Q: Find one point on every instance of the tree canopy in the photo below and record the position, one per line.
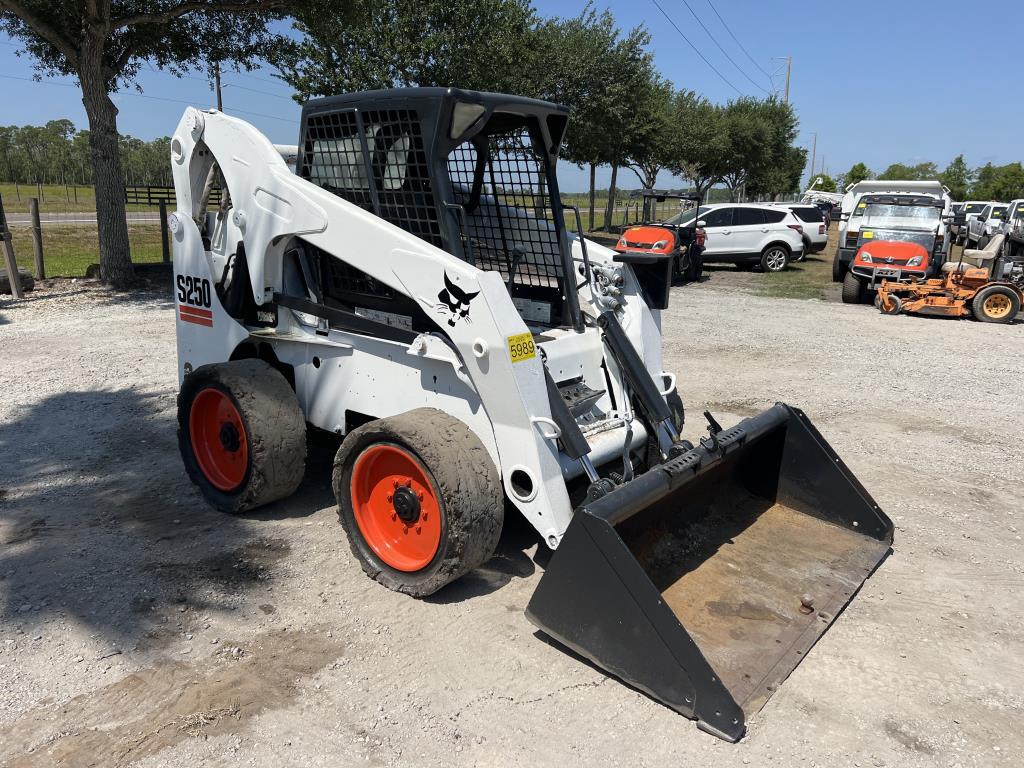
(104, 44)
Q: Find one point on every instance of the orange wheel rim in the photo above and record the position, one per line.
(997, 305)
(218, 439)
(395, 507)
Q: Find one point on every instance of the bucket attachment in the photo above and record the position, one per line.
(704, 581)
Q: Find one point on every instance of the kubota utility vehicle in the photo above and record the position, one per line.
(675, 237)
(413, 288)
(901, 238)
(983, 284)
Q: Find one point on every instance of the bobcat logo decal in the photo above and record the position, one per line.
(454, 301)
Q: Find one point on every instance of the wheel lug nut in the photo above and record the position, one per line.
(408, 482)
(419, 529)
(419, 495)
(424, 515)
(394, 517)
(396, 483)
(390, 498)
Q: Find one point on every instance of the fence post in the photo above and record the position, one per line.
(164, 245)
(13, 275)
(37, 238)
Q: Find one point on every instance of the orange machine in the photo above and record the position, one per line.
(964, 290)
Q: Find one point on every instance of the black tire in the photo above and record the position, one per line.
(775, 258)
(274, 431)
(695, 268)
(984, 302)
(893, 308)
(465, 484)
(853, 289)
(983, 241)
(838, 269)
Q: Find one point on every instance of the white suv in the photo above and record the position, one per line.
(750, 234)
(815, 234)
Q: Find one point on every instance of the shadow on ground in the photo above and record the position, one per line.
(100, 525)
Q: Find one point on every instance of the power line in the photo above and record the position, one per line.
(737, 41)
(147, 96)
(695, 49)
(713, 40)
(257, 90)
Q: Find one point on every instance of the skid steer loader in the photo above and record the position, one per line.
(414, 287)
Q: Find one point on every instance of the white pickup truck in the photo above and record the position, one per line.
(853, 211)
(984, 225)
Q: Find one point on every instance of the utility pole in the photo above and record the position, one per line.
(789, 68)
(814, 154)
(220, 101)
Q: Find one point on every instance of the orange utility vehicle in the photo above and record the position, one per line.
(982, 283)
(678, 238)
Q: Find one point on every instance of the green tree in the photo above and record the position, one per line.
(857, 173)
(354, 45)
(104, 43)
(921, 172)
(957, 177)
(999, 182)
(700, 142)
(651, 149)
(826, 183)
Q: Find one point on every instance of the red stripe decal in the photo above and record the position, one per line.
(188, 317)
(187, 310)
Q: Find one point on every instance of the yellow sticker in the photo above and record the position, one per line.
(863, 205)
(868, 234)
(521, 347)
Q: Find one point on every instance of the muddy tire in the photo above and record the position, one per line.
(995, 304)
(441, 520)
(241, 434)
(853, 289)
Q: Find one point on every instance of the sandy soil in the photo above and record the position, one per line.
(141, 628)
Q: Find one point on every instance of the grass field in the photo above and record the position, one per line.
(68, 251)
(55, 198)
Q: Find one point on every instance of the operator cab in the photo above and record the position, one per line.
(472, 173)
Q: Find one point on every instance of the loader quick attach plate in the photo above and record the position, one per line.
(706, 580)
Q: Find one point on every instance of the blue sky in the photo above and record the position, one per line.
(879, 82)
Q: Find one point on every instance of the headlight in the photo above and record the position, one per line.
(659, 245)
(914, 262)
(622, 243)
(865, 256)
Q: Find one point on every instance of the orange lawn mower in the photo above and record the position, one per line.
(981, 284)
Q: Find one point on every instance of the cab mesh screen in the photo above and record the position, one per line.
(376, 160)
(501, 183)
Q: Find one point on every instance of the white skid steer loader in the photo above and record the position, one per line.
(413, 287)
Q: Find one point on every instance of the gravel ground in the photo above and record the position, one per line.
(141, 628)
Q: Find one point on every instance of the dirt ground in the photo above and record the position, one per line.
(138, 627)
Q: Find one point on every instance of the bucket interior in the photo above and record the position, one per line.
(753, 580)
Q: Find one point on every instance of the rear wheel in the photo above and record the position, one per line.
(694, 267)
(995, 304)
(419, 498)
(983, 241)
(853, 289)
(774, 258)
(241, 434)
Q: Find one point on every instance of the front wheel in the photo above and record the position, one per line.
(995, 304)
(982, 242)
(241, 434)
(853, 289)
(774, 258)
(419, 499)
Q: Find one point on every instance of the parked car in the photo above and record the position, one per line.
(984, 225)
(968, 213)
(815, 223)
(748, 234)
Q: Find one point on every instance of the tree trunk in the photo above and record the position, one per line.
(593, 194)
(115, 254)
(610, 208)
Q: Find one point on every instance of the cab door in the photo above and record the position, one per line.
(718, 229)
(749, 229)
